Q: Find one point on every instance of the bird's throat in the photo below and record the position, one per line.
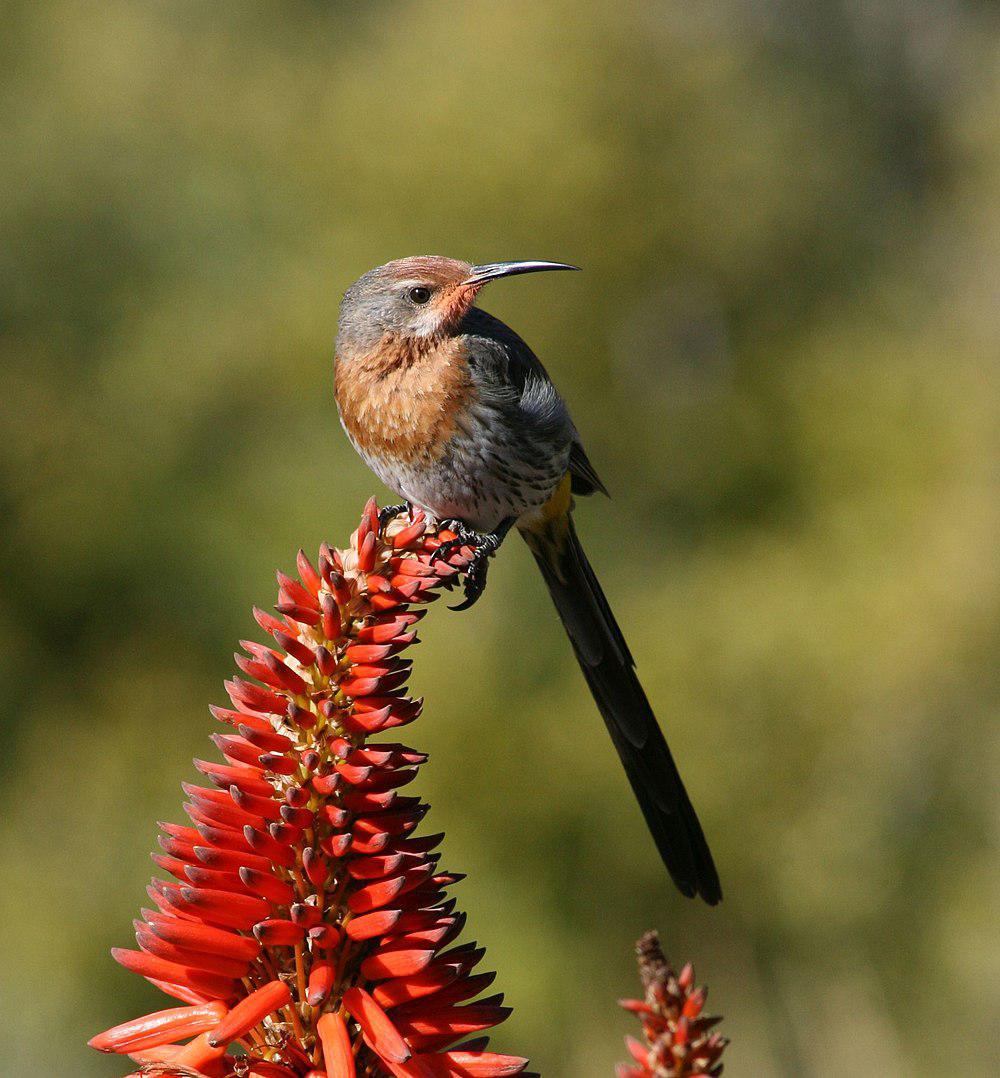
(405, 399)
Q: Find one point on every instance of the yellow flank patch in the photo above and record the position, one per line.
(546, 530)
(559, 503)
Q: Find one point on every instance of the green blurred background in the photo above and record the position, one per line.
(782, 357)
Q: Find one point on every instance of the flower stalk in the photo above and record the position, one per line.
(679, 1042)
(305, 927)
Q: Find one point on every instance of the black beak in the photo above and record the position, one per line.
(492, 270)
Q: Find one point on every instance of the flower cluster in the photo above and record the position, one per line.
(306, 931)
(679, 1043)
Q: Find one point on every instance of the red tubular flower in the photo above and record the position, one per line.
(679, 1043)
(306, 929)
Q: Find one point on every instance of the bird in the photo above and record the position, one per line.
(454, 413)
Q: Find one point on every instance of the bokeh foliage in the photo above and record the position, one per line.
(783, 359)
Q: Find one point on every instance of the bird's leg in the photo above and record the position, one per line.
(486, 544)
(387, 513)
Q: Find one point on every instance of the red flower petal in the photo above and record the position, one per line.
(224, 908)
(278, 932)
(147, 965)
(200, 937)
(248, 1012)
(481, 1064)
(376, 1026)
(197, 1053)
(337, 1051)
(160, 1027)
(321, 981)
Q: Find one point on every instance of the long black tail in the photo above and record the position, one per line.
(609, 669)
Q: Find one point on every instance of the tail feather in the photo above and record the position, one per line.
(609, 669)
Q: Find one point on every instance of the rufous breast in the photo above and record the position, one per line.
(405, 400)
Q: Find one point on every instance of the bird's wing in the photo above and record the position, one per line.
(522, 372)
(514, 362)
(585, 477)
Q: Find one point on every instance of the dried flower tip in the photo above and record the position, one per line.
(677, 1041)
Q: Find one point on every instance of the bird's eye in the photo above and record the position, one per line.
(420, 294)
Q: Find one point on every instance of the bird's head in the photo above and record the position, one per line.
(423, 298)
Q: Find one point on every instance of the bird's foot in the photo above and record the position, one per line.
(464, 536)
(389, 512)
(475, 575)
(485, 545)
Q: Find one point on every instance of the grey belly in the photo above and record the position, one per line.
(482, 481)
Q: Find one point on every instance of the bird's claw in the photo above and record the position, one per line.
(388, 512)
(475, 575)
(464, 536)
(484, 547)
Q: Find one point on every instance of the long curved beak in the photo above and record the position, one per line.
(490, 271)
